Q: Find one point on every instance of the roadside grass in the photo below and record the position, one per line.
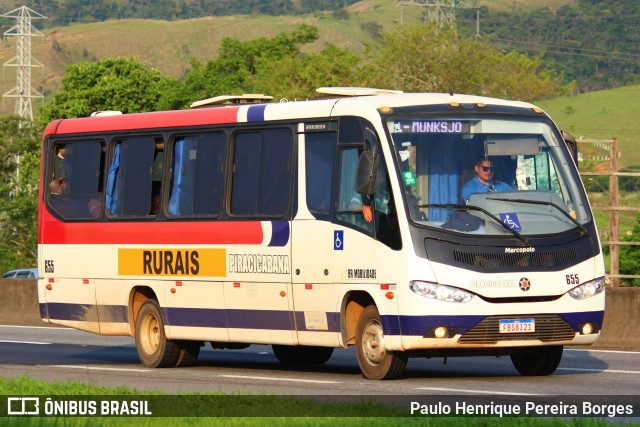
(627, 218)
(316, 412)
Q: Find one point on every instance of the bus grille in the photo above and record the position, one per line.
(549, 327)
(484, 260)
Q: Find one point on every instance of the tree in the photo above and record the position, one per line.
(19, 171)
(123, 84)
(231, 72)
(423, 58)
(297, 77)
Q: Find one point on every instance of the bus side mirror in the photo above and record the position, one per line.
(367, 172)
(572, 145)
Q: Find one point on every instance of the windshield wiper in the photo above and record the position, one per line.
(583, 230)
(484, 211)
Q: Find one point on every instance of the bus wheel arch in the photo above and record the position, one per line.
(353, 305)
(152, 345)
(138, 296)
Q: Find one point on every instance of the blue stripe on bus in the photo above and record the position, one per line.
(420, 325)
(256, 113)
(192, 317)
(84, 312)
(195, 317)
(43, 311)
(576, 320)
(79, 312)
(113, 313)
(280, 233)
(282, 320)
(260, 319)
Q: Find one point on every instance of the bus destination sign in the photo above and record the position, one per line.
(430, 126)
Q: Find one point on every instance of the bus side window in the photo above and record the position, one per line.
(320, 152)
(197, 180)
(130, 177)
(349, 201)
(262, 164)
(386, 216)
(75, 187)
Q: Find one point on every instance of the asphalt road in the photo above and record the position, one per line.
(57, 354)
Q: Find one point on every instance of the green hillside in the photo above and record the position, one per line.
(168, 45)
(602, 115)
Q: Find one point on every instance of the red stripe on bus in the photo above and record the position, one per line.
(160, 119)
(142, 233)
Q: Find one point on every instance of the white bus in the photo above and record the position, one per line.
(322, 224)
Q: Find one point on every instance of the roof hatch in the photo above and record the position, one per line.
(355, 91)
(219, 101)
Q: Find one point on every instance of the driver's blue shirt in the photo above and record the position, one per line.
(475, 186)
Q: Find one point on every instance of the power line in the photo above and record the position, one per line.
(597, 54)
(637, 56)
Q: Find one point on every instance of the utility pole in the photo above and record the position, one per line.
(614, 218)
(24, 30)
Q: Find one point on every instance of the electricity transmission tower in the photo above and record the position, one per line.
(442, 12)
(23, 61)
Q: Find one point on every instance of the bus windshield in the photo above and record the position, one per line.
(487, 175)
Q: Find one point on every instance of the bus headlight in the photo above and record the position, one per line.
(587, 290)
(440, 292)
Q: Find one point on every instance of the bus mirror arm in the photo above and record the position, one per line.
(572, 145)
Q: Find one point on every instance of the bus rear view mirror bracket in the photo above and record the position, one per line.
(572, 145)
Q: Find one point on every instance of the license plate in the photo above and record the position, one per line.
(516, 326)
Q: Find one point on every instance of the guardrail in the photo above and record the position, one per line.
(19, 306)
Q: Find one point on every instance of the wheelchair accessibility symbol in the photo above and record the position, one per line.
(511, 220)
(338, 240)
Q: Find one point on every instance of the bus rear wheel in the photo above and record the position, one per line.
(154, 349)
(537, 361)
(375, 361)
(302, 355)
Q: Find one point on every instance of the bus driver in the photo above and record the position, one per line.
(483, 181)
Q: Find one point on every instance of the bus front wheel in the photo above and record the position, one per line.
(537, 361)
(154, 349)
(375, 361)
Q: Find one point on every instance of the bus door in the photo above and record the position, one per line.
(355, 261)
(366, 224)
(258, 295)
(315, 301)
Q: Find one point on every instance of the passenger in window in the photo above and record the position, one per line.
(95, 207)
(56, 186)
(155, 198)
(483, 181)
(155, 205)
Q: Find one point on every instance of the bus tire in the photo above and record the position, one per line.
(154, 349)
(537, 361)
(302, 355)
(376, 363)
(189, 352)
